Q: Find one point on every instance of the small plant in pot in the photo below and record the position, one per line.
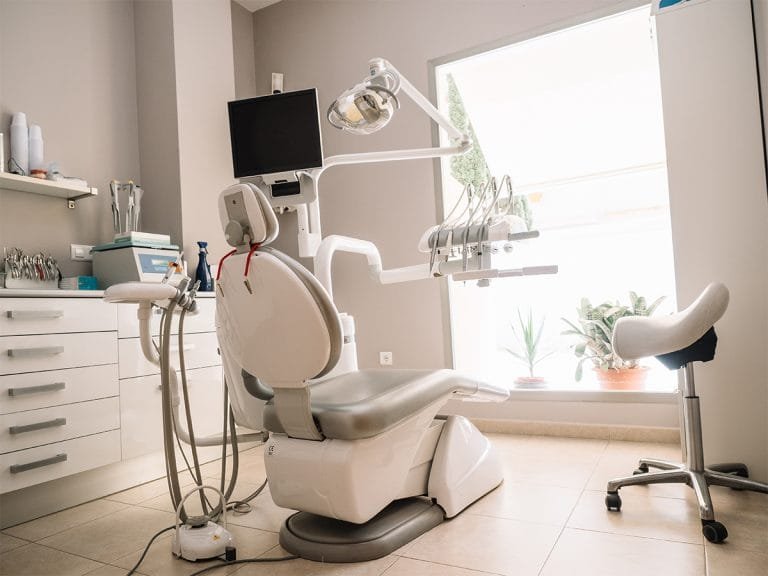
(528, 333)
(595, 329)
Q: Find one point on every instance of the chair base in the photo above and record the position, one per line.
(324, 539)
(731, 475)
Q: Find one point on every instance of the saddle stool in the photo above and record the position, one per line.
(678, 341)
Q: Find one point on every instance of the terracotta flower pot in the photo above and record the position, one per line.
(530, 382)
(623, 378)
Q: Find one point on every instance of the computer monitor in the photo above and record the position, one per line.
(275, 133)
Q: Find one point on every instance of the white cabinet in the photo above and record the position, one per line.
(140, 393)
(78, 396)
(59, 404)
(142, 422)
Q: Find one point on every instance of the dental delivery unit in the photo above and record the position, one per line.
(363, 455)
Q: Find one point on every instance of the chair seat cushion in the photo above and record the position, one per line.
(368, 402)
(636, 337)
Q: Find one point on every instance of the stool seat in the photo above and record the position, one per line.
(637, 337)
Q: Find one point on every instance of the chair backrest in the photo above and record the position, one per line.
(274, 319)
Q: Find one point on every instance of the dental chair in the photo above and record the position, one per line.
(678, 341)
(363, 455)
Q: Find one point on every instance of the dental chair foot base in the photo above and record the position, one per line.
(324, 539)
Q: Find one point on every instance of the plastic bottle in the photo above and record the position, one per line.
(35, 147)
(203, 273)
(19, 162)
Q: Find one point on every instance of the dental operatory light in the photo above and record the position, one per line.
(370, 105)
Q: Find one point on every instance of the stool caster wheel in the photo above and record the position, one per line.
(642, 469)
(713, 531)
(613, 501)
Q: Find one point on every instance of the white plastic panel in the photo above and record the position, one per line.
(20, 316)
(19, 354)
(81, 454)
(61, 423)
(52, 388)
(200, 350)
(276, 329)
(465, 467)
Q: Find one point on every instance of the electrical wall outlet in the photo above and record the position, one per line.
(385, 358)
(80, 252)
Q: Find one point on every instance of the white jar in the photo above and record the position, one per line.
(19, 145)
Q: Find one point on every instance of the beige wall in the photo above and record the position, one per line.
(70, 67)
(202, 35)
(157, 117)
(327, 44)
(242, 47)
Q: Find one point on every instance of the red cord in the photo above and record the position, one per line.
(254, 247)
(221, 263)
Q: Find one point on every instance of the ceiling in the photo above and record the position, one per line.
(254, 5)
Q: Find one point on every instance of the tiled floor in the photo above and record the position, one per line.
(548, 518)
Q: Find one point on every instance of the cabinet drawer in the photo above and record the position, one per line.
(35, 465)
(23, 316)
(19, 354)
(200, 350)
(35, 390)
(22, 430)
(202, 321)
(141, 422)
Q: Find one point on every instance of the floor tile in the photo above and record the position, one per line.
(300, 567)
(585, 553)
(641, 515)
(108, 570)
(528, 502)
(8, 543)
(487, 544)
(160, 561)
(36, 560)
(264, 514)
(141, 493)
(621, 459)
(745, 516)
(411, 567)
(111, 537)
(54, 523)
(728, 559)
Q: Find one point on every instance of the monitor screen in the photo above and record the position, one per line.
(275, 133)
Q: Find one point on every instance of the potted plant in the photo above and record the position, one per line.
(528, 335)
(595, 329)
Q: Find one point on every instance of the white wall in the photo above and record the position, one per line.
(314, 44)
(70, 67)
(719, 212)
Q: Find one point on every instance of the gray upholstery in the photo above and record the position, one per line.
(366, 403)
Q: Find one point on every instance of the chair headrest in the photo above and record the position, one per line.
(246, 216)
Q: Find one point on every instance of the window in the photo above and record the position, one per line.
(574, 118)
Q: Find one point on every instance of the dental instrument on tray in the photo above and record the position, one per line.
(114, 193)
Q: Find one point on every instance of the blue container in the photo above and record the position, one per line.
(203, 273)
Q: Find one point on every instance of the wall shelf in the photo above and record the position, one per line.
(55, 188)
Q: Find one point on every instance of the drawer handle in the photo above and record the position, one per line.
(35, 352)
(33, 314)
(37, 389)
(16, 468)
(37, 426)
